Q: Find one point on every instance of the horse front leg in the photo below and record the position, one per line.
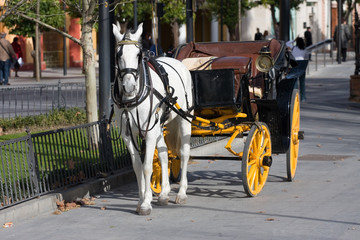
(164, 159)
(137, 166)
(145, 208)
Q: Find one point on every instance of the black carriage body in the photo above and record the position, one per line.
(215, 88)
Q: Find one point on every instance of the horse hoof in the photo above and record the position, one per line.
(180, 199)
(144, 212)
(163, 201)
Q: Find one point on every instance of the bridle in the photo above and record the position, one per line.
(142, 73)
(119, 50)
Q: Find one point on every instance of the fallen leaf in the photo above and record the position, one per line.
(8, 225)
(340, 138)
(70, 205)
(103, 208)
(319, 145)
(270, 219)
(57, 212)
(60, 203)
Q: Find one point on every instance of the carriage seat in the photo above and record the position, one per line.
(198, 63)
(240, 64)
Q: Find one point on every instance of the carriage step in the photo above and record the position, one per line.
(216, 158)
(301, 135)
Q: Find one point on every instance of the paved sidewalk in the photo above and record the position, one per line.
(48, 76)
(322, 202)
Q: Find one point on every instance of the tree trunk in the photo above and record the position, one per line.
(175, 32)
(273, 17)
(90, 74)
(89, 60)
(232, 33)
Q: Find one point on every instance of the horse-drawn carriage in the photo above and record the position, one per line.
(236, 89)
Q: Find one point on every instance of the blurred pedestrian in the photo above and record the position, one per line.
(17, 48)
(6, 54)
(308, 39)
(147, 42)
(344, 38)
(258, 34)
(266, 35)
(301, 55)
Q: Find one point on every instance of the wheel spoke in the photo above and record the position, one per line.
(266, 141)
(252, 161)
(252, 171)
(252, 177)
(256, 181)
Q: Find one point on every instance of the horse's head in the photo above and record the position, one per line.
(128, 52)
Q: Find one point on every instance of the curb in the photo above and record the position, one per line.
(46, 204)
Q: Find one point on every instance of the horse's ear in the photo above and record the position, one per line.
(137, 35)
(117, 34)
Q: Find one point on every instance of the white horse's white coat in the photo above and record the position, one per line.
(178, 139)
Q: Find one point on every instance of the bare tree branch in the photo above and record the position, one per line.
(11, 10)
(50, 27)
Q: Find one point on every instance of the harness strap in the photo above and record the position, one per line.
(159, 69)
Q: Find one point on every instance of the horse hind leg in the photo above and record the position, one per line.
(181, 133)
(181, 197)
(165, 185)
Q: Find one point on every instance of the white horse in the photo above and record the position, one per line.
(140, 108)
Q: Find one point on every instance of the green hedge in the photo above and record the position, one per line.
(73, 116)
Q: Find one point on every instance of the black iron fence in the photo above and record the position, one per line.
(40, 99)
(39, 163)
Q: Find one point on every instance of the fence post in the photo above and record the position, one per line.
(33, 165)
(59, 94)
(106, 150)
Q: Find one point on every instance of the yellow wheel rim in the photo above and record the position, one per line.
(175, 167)
(156, 175)
(293, 152)
(257, 149)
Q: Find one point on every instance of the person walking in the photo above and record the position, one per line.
(308, 39)
(344, 38)
(266, 36)
(6, 53)
(301, 55)
(258, 34)
(17, 48)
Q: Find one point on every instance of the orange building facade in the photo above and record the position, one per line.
(52, 47)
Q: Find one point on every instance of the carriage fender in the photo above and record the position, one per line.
(284, 93)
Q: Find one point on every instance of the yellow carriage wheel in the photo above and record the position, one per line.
(256, 159)
(175, 169)
(293, 152)
(156, 178)
(156, 175)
